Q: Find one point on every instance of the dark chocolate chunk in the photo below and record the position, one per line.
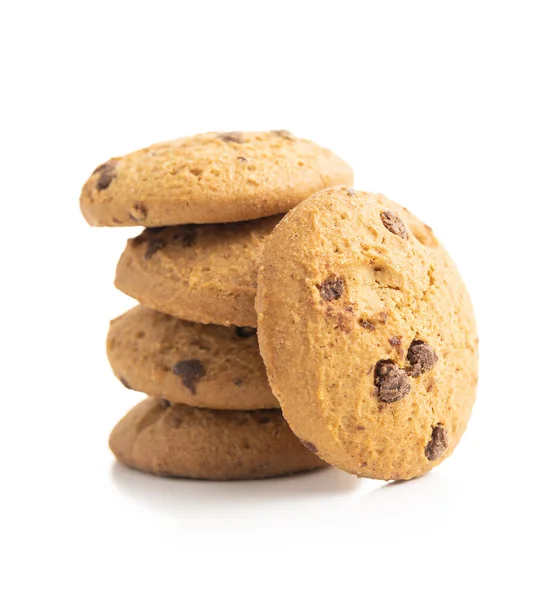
(125, 383)
(392, 382)
(245, 332)
(185, 235)
(138, 212)
(232, 136)
(190, 371)
(261, 416)
(393, 223)
(422, 358)
(164, 403)
(438, 444)
(332, 288)
(153, 246)
(107, 174)
(283, 133)
(311, 447)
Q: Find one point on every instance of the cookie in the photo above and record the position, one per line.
(182, 441)
(203, 273)
(210, 366)
(210, 178)
(368, 335)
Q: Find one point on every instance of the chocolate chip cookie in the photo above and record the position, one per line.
(203, 273)
(368, 335)
(210, 366)
(210, 178)
(177, 440)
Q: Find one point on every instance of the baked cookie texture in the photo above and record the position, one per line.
(210, 178)
(368, 335)
(177, 440)
(203, 273)
(202, 365)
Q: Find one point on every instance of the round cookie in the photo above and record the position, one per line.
(203, 273)
(210, 178)
(183, 441)
(202, 365)
(368, 335)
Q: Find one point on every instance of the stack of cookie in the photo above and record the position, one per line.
(208, 204)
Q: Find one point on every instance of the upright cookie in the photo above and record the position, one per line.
(182, 441)
(210, 178)
(368, 335)
(202, 365)
(203, 273)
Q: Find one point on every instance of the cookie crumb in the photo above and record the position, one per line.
(393, 223)
(351, 192)
(332, 288)
(391, 381)
(190, 371)
(438, 444)
(422, 358)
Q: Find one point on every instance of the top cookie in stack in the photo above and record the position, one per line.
(208, 204)
(210, 178)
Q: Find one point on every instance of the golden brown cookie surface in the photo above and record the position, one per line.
(368, 335)
(202, 273)
(183, 441)
(209, 366)
(210, 178)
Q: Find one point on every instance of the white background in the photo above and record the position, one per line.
(437, 105)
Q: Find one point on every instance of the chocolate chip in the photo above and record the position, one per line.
(138, 212)
(125, 383)
(396, 343)
(153, 246)
(185, 235)
(351, 192)
(438, 444)
(261, 416)
(245, 332)
(238, 382)
(232, 136)
(332, 288)
(367, 325)
(107, 174)
(392, 382)
(164, 403)
(422, 358)
(242, 159)
(393, 223)
(311, 447)
(283, 133)
(190, 371)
